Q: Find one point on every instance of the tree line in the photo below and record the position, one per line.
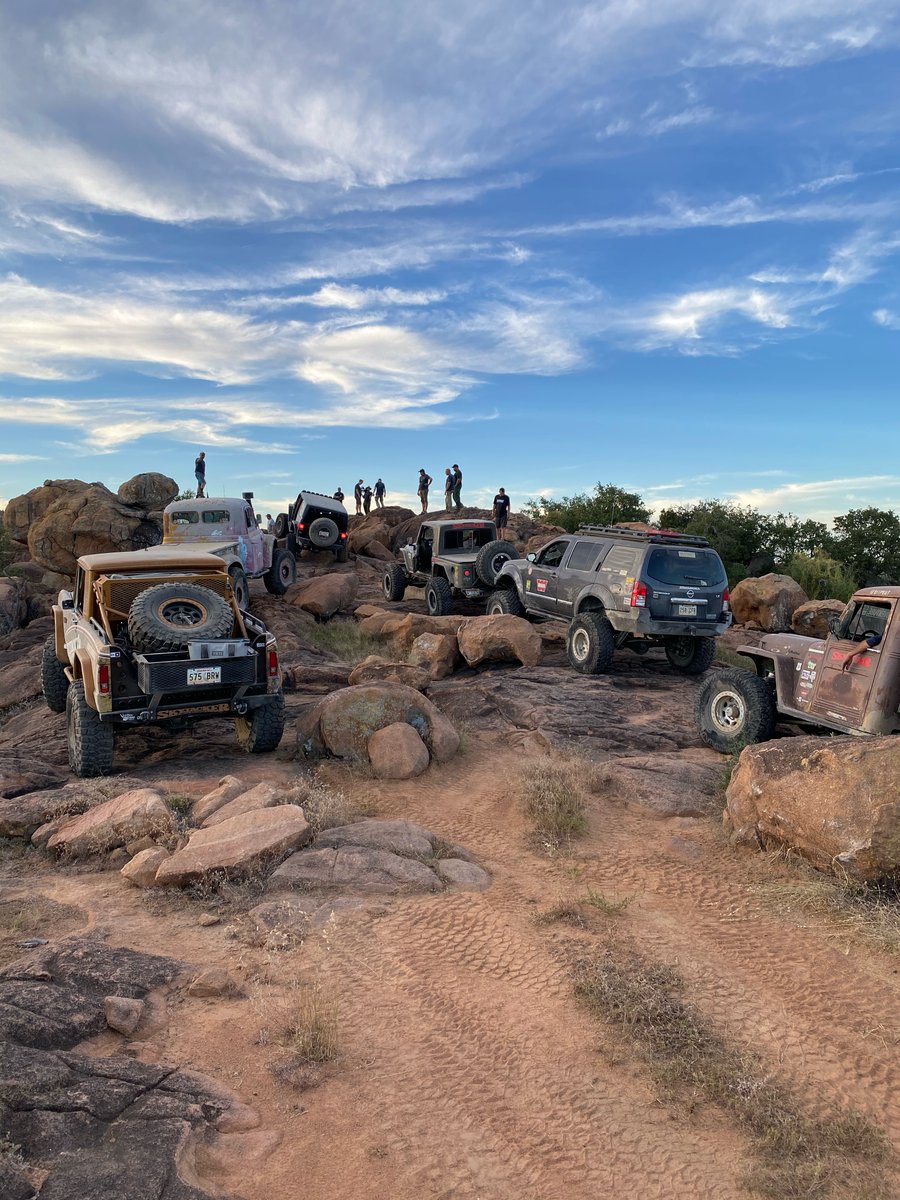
(861, 548)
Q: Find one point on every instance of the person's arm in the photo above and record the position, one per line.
(862, 648)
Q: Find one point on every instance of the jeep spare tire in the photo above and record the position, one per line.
(323, 532)
(282, 525)
(491, 558)
(170, 615)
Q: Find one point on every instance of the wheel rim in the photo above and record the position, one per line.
(286, 573)
(581, 645)
(498, 560)
(388, 585)
(431, 601)
(681, 650)
(728, 712)
(495, 608)
(183, 612)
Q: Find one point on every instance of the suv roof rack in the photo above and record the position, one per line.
(662, 536)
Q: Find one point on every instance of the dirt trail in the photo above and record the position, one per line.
(467, 1069)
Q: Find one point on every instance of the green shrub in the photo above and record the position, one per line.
(820, 576)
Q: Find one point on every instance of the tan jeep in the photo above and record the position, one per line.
(156, 637)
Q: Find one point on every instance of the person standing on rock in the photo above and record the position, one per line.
(457, 486)
(339, 495)
(200, 474)
(270, 523)
(501, 509)
(367, 500)
(380, 492)
(357, 496)
(448, 488)
(425, 482)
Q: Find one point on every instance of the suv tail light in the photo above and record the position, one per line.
(343, 537)
(639, 595)
(302, 525)
(273, 662)
(726, 601)
(103, 679)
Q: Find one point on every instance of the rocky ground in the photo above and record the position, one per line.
(380, 1001)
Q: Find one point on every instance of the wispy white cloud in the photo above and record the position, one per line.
(20, 458)
(818, 499)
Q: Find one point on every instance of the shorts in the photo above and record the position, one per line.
(501, 520)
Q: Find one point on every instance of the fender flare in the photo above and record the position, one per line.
(83, 668)
(504, 576)
(594, 591)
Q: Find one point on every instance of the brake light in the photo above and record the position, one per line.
(302, 525)
(639, 595)
(726, 601)
(467, 572)
(343, 537)
(273, 662)
(103, 679)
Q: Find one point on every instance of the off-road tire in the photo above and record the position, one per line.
(438, 597)
(282, 526)
(169, 616)
(342, 555)
(505, 600)
(735, 709)
(323, 533)
(590, 642)
(490, 559)
(393, 582)
(91, 743)
(690, 655)
(261, 730)
(281, 574)
(54, 683)
(240, 585)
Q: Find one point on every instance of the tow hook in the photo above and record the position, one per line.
(240, 708)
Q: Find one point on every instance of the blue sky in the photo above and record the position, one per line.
(638, 241)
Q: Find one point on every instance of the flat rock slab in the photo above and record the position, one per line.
(459, 873)
(132, 815)
(354, 869)
(399, 837)
(301, 914)
(236, 846)
(98, 1127)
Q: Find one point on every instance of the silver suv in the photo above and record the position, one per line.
(622, 588)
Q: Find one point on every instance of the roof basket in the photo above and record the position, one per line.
(665, 537)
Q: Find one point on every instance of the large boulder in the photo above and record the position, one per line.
(397, 752)
(126, 818)
(501, 638)
(437, 653)
(769, 602)
(237, 846)
(150, 491)
(811, 619)
(13, 604)
(837, 803)
(22, 511)
(343, 722)
(324, 595)
(375, 669)
(91, 521)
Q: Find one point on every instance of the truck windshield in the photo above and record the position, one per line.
(866, 616)
(686, 568)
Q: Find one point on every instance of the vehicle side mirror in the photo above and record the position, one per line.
(67, 603)
(834, 624)
(532, 557)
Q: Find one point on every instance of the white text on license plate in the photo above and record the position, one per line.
(685, 610)
(204, 675)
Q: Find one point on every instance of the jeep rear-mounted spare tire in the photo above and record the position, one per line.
(323, 533)
(490, 559)
(170, 615)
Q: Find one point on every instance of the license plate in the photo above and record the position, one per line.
(204, 675)
(685, 610)
(473, 593)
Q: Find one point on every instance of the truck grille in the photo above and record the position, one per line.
(172, 676)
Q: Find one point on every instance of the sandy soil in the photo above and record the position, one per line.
(467, 1070)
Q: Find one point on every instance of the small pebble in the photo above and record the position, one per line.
(208, 919)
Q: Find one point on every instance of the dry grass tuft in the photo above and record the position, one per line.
(576, 912)
(837, 1155)
(324, 806)
(311, 1033)
(554, 801)
(343, 638)
(34, 916)
(867, 913)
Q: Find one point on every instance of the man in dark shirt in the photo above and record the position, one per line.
(357, 496)
(425, 482)
(501, 509)
(379, 492)
(457, 486)
(448, 488)
(339, 495)
(367, 500)
(200, 474)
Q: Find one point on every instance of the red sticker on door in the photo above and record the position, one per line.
(542, 585)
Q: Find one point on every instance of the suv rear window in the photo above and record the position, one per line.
(688, 568)
(467, 539)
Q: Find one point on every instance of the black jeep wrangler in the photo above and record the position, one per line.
(314, 522)
(623, 588)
